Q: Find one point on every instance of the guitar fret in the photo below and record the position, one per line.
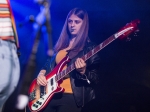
(109, 40)
(65, 73)
(90, 53)
(58, 76)
(96, 49)
(62, 73)
(85, 57)
(101, 46)
(93, 51)
(67, 70)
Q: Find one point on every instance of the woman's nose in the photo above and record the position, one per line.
(72, 24)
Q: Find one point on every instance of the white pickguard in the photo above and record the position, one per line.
(50, 88)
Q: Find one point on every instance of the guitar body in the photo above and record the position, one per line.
(39, 96)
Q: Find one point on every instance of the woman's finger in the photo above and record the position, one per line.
(42, 80)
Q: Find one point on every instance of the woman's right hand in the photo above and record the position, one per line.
(41, 79)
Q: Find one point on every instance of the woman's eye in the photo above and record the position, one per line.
(77, 22)
(69, 21)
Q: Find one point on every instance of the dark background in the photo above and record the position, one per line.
(125, 66)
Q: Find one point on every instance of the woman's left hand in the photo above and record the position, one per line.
(80, 65)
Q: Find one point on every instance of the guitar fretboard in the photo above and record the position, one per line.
(71, 67)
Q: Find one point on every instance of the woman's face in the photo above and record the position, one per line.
(74, 24)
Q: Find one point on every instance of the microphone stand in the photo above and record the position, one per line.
(30, 68)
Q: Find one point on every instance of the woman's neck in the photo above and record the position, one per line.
(70, 43)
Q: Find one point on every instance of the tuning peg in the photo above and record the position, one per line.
(137, 30)
(128, 39)
(135, 34)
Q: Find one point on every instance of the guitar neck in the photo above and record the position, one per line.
(98, 48)
(70, 68)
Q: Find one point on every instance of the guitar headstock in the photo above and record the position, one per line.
(127, 30)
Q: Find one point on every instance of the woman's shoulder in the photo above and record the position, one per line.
(90, 44)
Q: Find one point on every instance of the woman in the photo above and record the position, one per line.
(78, 85)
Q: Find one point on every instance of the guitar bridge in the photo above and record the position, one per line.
(32, 96)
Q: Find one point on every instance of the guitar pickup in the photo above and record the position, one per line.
(52, 81)
(38, 102)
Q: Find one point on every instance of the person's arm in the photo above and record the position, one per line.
(41, 79)
(88, 71)
(80, 66)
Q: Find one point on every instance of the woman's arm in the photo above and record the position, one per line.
(90, 72)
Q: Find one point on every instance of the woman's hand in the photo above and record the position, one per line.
(80, 65)
(41, 79)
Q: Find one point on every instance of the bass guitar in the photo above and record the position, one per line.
(40, 96)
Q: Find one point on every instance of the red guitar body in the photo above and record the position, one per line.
(40, 96)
